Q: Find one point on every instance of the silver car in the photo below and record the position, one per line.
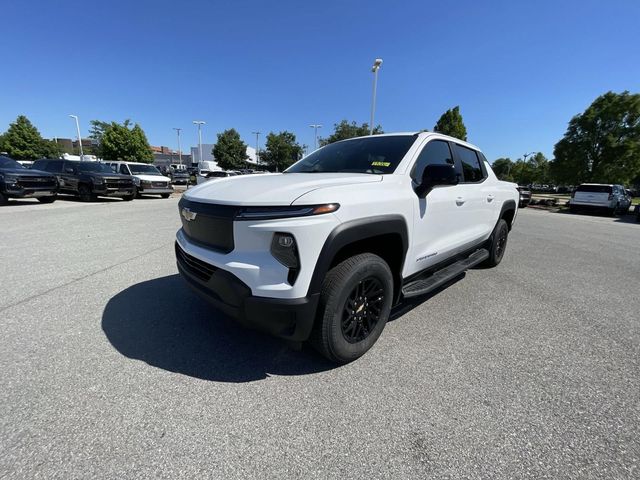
(600, 196)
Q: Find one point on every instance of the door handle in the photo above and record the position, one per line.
(490, 198)
(460, 201)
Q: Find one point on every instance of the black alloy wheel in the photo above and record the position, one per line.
(362, 310)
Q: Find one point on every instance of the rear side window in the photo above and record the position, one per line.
(471, 168)
(436, 152)
(594, 188)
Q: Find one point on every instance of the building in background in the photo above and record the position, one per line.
(207, 154)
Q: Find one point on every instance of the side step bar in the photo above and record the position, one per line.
(422, 286)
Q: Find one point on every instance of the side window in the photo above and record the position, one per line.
(471, 168)
(54, 167)
(123, 169)
(435, 152)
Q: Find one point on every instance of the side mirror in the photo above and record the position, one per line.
(436, 176)
(70, 170)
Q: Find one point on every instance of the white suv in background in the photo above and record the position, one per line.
(600, 196)
(147, 178)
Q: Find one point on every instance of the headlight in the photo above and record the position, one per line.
(269, 213)
(285, 250)
(8, 178)
(97, 180)
(145, 183)
(136, 181)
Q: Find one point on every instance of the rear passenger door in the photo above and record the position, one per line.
(475, 200)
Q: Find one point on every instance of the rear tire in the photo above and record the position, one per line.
(497, 244)
(354, 307)
(85, 194)
(50, 199)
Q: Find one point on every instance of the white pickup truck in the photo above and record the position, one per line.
(325, 249)
(147, 178)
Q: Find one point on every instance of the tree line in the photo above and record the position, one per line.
(602, 144)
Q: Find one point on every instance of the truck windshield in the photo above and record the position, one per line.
(143, 169)
(6, 162)
(93, 167)
(374, 155)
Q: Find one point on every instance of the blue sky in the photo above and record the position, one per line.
(518, 70)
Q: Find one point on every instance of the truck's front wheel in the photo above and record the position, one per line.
(354, 307)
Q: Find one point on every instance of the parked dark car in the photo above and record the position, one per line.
(638, 212)
(17, 181)
(180, 177)
(88, 180)
(525, 197)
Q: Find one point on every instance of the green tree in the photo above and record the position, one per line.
(344, 130)
(96, 132)
(281, 150)
(539, 166)
(23, 142)
(450, 123)
(120, 142)
(502, 168)
(602, 144)
(230, 151)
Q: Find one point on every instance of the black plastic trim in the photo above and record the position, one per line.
(354, 231)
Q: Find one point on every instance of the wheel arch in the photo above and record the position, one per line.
(508, 212)
(384, 235)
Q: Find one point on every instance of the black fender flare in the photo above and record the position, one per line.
(353, 231)
(506, 206)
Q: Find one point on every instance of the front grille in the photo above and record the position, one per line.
(208, 224)
(194, 266)
(37, 182)
(119, 183)
(159, 184)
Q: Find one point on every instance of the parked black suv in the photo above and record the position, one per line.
(17, 181)
(88, 180)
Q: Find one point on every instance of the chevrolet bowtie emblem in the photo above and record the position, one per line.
(188, 214)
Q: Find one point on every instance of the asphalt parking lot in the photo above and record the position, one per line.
(112, 368)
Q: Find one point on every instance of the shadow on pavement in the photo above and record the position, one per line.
(164, 324)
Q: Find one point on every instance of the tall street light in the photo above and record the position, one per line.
(79, 139)
(376, 66)
(178, 130)
(199, 123)
(257, 134)
(315, 127)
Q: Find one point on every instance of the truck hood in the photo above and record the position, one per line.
(271, 189)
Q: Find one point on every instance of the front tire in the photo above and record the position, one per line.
(355, 303)
(497, 244)
(50, 199)
(84, 191)
(165, 195)
(3, 199)
(128, 198)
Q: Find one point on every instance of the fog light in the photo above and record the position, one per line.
(285, 250)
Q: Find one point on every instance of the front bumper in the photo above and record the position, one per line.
(112, 192)
(154, 191)
(291, 319)
(16, 191)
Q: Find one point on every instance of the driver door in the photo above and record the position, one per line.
(439, 221)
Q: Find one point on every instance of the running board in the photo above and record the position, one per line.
(422, 286)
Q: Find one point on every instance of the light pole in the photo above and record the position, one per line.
(257, 134)
(79, 139)
(178, 130)
(528, 155)
(315, 127)
(199, 123)
(376, 66)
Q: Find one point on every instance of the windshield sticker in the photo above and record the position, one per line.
(380, 164)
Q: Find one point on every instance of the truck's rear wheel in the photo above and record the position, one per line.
(497, 244)
(355, 302)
